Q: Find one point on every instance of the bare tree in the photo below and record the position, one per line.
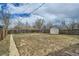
(19, 25)
(5, 19)
(64, 25)
(49, 25)
(77, 24)
(39, 23)
(27, 25)
(72, 23)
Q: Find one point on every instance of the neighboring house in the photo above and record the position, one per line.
(54, 30)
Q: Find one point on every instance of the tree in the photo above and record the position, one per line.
(49, 25)
(5, 18)
(19, 25)
(72, 23)
(27, 25)
(64, 25)
(39, 24)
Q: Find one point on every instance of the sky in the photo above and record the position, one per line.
(48, 11)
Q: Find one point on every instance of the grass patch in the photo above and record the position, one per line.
(4, 46)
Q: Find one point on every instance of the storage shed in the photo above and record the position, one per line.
(54, 30)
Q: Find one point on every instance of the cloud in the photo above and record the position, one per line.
(52, 11)
(24, 8)
(70, 10)
(49, 11)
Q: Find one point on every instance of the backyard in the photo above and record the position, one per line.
(34, 44)
(39, 29)
(40, 44)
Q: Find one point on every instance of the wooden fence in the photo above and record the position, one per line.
(70, 32)
(3, 33)
(26, 31)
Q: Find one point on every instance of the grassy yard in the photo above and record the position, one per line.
(4, 46)
(43, 44)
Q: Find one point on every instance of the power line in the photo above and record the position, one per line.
(5, 6)
(37, 8)
(33, 10)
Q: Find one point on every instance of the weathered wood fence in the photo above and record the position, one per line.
(70, 32)
(3, 33)
(27, 31)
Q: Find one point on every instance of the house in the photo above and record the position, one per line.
(54, 30)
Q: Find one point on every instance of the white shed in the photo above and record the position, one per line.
(54, 30)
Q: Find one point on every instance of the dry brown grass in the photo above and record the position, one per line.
(4, 46)
(42, 44)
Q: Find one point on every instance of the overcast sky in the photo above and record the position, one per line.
(47, 11)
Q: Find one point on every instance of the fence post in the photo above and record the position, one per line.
(2, 34)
